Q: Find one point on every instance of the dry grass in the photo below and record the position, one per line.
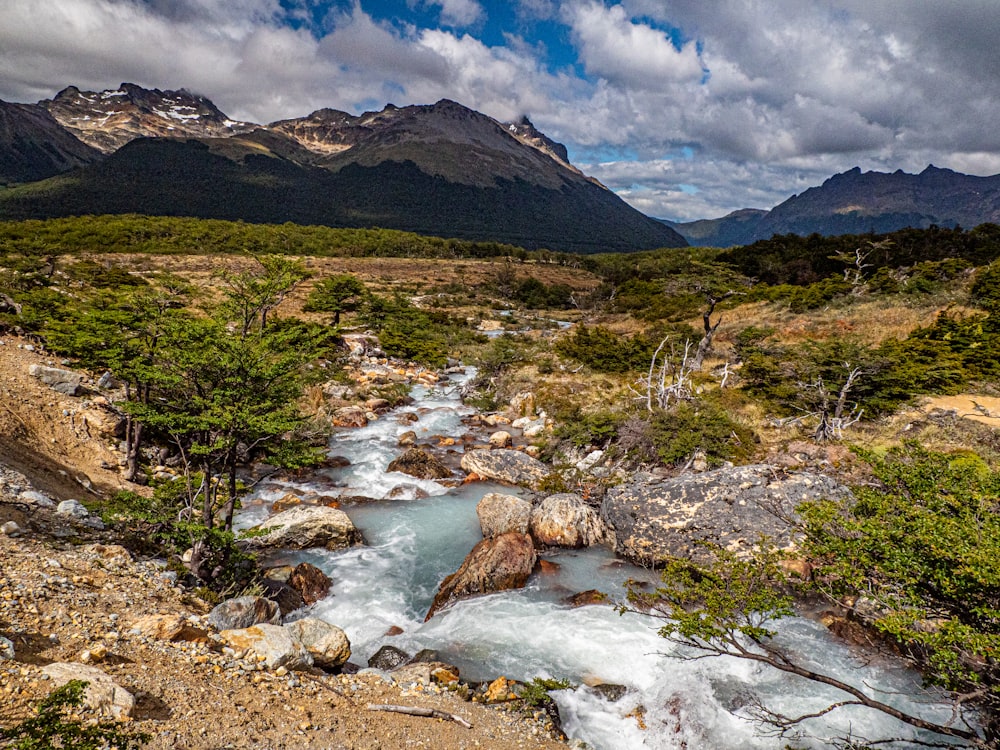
(868, 321)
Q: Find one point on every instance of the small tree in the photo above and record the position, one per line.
(337, 294)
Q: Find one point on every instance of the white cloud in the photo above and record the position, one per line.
(768, 96)
(459, 13)
(620, 50)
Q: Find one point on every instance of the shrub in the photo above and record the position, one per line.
(52, 728)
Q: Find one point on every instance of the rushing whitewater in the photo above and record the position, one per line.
(414, 541)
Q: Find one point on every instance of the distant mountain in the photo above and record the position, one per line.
(107, 120)
(440, 169)
(736, 228)
(857, 202)
(34, 146)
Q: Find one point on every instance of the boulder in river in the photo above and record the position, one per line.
(311, 582)
(500, 514)
(656, 520)
(507, 466)
(388, 658)
(495, 564)
(420, 464)
(349, 416)
(306, 526)
(565, 520)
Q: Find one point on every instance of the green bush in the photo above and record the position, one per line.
(51, 728)
(690, 426)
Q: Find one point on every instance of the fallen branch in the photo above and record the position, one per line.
(432, 713)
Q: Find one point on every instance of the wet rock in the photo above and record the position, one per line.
(548, 568)
(654, 520)
(394, 630)
(327, 644)
(286, 597)
(307, 526)
(587, 598)
(388, 658)
(349, 416)
(243, 612)
(501, 439)
(377, 405)
(102, 693)
(272, 645)
(565, 520)
(311, 582)
(168, 627)
(495, 564)
(66, 382)
(286, 501)
(507, 466)
(421, 464)
(408, 417)
(407, 439)
(500, 514)
(609, 691)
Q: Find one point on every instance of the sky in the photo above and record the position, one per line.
(687, 109)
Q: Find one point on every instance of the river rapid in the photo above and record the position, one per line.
(421, 535)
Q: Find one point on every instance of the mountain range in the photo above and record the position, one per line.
(857, 202)
(440, 169)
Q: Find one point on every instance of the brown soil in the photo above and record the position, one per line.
(60, 594)
(57, 599)
(41, 437)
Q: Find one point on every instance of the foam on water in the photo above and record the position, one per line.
(412, 544)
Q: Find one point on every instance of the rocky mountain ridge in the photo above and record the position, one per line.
(856, 202)
(440, 169)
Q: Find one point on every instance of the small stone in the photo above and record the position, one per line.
(6, 649)
(10, 528)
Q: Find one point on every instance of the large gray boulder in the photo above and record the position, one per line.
(327, 644)
(495, 564)
(565, 520)
(507, 466)
(656, 520)
(273, 645)
(306, 526)
(500, 514)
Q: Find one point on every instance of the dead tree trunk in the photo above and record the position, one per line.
(706, 340)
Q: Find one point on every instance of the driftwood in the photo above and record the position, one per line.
(432, 713)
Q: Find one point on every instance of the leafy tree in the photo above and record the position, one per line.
(337, 294)
(921, 550)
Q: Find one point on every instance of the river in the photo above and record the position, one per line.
(424, 533)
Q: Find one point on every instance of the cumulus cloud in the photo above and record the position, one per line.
(632, 54)
(762, 97)
(459, 13)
